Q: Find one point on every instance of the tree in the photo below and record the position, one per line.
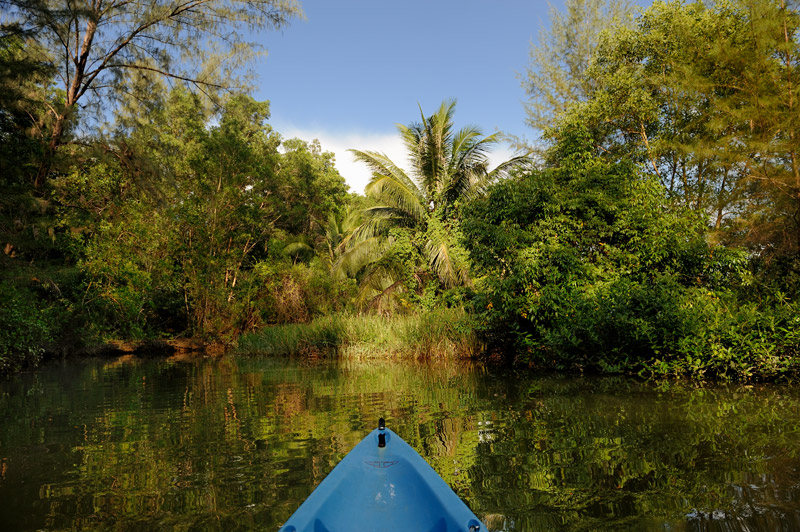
(583, 264)
(206, 247)
(706, 99)
(556, 75)
(448, 167)
(310, 185)
(24, 71)
(332, 238)
(105, 50)
(190, 247)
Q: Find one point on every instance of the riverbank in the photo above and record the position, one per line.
(182, 348)
(443, 334)
(763, 349)
(740, 351)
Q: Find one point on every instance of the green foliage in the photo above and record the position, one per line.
(735, 340)
(705, 98)
(24, 78)
(317, 189)
(25, 328)
(172, 229)
(585, 265)
(448, 167)
(188, 251)
(296, 293)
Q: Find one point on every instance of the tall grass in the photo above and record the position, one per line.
(444, 333)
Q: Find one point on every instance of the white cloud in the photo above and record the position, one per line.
(356, 174)
(500, 153)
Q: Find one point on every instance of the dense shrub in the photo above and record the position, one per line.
(585, 265)
(285, 292)
(25, 330)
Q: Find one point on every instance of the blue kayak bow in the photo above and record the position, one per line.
(383, 485)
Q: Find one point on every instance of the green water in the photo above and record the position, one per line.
(237, 444)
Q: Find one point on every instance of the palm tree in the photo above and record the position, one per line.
(332, 241)
(447, 167)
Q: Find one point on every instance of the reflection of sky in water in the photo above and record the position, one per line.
(237, 444)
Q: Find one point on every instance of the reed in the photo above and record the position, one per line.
(443, 333)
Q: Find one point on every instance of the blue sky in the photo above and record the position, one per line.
(355, 68)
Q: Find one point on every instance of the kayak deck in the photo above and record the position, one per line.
(383, 485)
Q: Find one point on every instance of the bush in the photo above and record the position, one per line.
(585, 265)
(25, 330)
(296, 293)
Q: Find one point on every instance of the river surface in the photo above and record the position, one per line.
(238, 443)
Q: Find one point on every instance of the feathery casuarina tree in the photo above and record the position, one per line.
(109, 49)
(706, 97)
(556, 75)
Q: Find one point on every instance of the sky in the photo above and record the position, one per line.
(355, 68)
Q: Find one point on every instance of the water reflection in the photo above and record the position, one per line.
(237, 444)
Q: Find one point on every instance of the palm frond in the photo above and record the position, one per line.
(397, 196)
(443, 264)
(381, 278)
(371, 226)
(468, 174)
(468, 183)
(413, 136)
(435, 147)
(392, 215)
(298, 250)
(469, 149)
(518, 162)
(446, 166)
(359, 255)
(467, 145)
(382, 166)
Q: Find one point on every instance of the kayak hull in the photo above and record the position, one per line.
(383, 488)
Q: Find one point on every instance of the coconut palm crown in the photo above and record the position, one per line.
(446, 167)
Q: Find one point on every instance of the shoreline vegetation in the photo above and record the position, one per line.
(652, 230)
(745, 348)
(444, 334)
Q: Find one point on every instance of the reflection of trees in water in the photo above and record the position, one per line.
(614, 454)
(239, 443)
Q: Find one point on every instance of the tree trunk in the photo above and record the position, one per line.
(720, 196)
(49, 155)
(75, 90)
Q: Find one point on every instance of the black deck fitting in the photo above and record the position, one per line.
(381, 435)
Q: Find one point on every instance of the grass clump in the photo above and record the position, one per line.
(443, 333)
(322, 335)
